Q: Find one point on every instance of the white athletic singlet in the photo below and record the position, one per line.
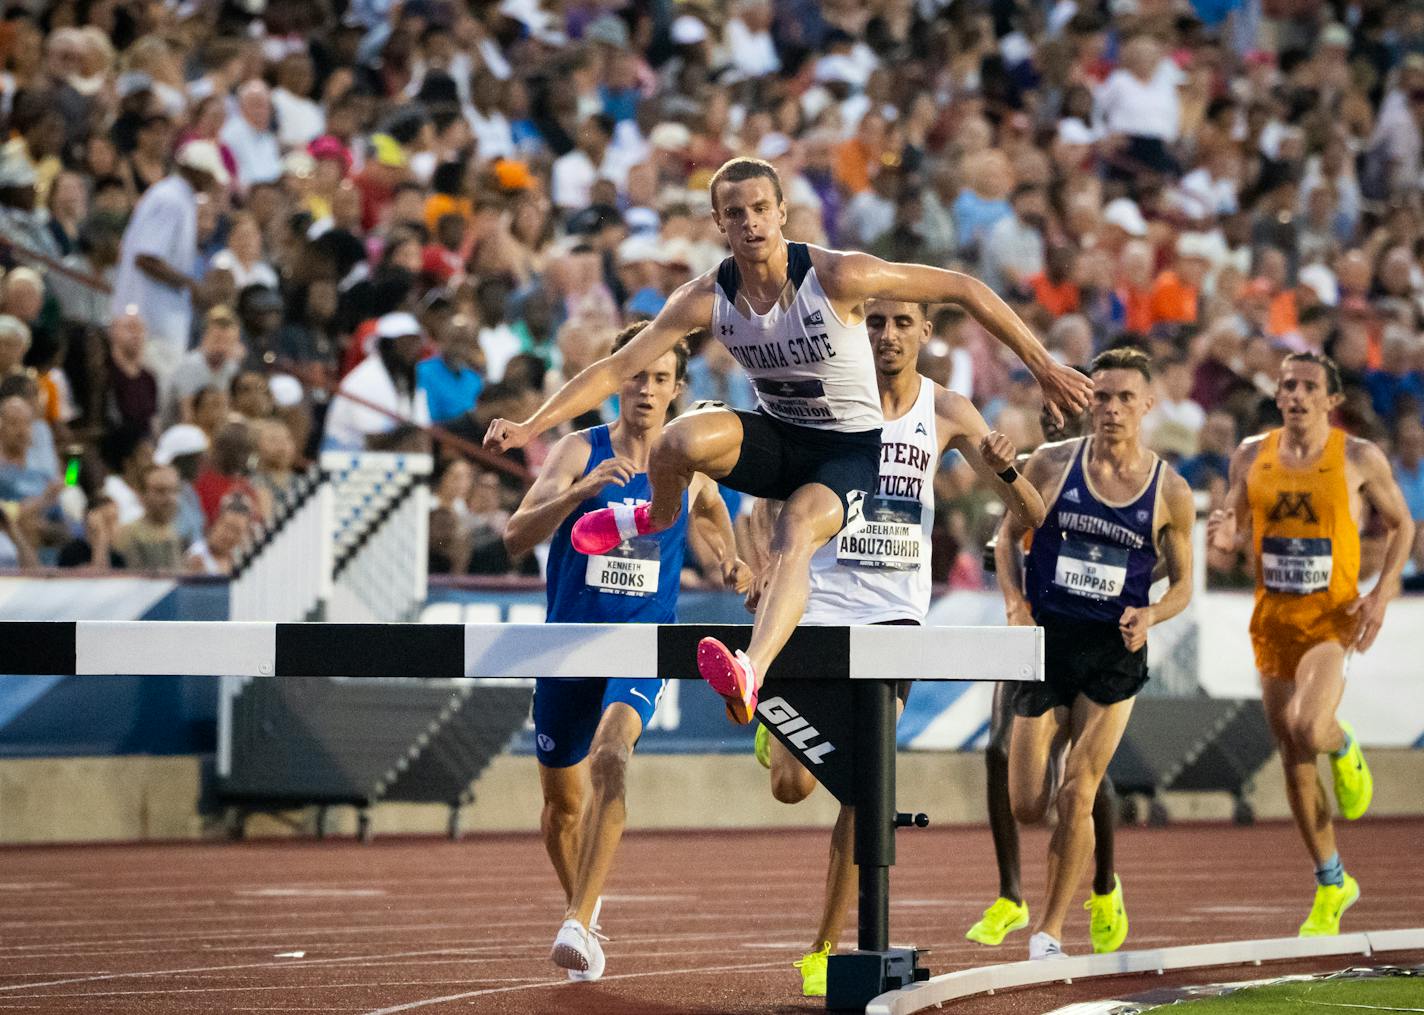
(881, 570)
(807, 367)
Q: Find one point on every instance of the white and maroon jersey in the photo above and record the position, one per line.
(880, 570)
(808, 368)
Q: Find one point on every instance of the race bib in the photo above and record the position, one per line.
(888, 537)
(1091, 569)
(625, 574)
(1296, 566)
(801, 401)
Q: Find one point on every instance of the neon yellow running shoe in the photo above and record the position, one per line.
(1331, 901)
(762, 746)
(1109, 921)
(998, 921)
(813, 971)
(1354, 786)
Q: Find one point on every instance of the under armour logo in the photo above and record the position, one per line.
(546, 742)
(1095, 553)
(1141, 517)
(727, 329)
(788, 389)
(920, 429)
(813, 318)
(1292, 505)
(1071, 494)
(1296, 546)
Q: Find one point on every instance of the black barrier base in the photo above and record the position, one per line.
(845, 735)
(853, 980)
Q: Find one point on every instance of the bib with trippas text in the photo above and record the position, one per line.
(1091, 569)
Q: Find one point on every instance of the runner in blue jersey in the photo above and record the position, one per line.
(585, 730)
(1114, 507)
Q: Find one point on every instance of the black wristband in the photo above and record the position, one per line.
(1009, 475)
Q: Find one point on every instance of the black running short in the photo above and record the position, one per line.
(1084, 657)
(779, 458)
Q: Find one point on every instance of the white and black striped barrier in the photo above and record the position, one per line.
(829, 698)
(261, 649)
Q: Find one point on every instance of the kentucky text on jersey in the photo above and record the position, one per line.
(1094, 526)
(898, 484)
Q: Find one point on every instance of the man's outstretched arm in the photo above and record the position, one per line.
(860, 277)
(687, 309)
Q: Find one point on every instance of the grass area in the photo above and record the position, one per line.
(1392, 993)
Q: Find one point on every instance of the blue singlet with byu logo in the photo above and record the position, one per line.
(635, 583)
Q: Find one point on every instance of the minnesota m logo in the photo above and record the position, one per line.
(1292, 505)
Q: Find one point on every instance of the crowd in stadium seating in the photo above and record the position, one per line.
(218, 215)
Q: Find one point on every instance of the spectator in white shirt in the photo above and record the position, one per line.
(498, 341)
(250, 138)
(159, 251)
(1173, 427)
(213, 364)
(1013, 248)
(216, 553)
(385, 383)
(300, 121)
(748, 39)
(1139, 105)
(493, 136)
(575, 173)
(242, 257)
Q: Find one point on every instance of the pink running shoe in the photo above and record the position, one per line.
(731, 676)
(600, 531)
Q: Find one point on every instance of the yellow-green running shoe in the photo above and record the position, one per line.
(1109, 921)
(1331, 901)
(999, 920)
(813, 971)
(1354, 786)
(762, 745)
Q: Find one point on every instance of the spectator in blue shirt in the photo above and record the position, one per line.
(1409, 465)
(1208, 468)
(450, 379)
(1409, 473)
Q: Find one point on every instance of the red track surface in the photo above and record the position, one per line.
(700, 922)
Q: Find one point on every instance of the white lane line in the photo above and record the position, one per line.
(346, 960)
(222, 969)
(30, 886)
(294, 937)
(427, 1002)
(280, 987)
(310, 893)
(623, 899)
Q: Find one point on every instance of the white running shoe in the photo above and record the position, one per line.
(576, 948)
(589, 975)
(1044, 946)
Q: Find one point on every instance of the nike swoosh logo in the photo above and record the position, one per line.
(634, 690)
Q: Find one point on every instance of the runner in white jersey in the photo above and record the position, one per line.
(880, 573)
(794, 316)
